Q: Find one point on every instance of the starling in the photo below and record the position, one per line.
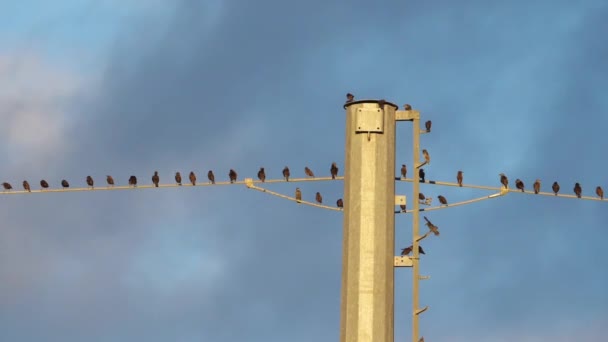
(192, 178)
(65, 184)
(427, 157)
(232, 174)
(262, 175)
(442, 200)
(433, 228)
(421, 196)
(421, 339)
(211, 177)
(578, 190)
(537, 186)
(7, 186)
(44, 184)
(90, 181)
(382, 103)
(133, 181)
(26, 186)
(155, 179)
(519, 184)
(319, 198)
(333, 170)
(555, 188)
(459, 178)
(427, 125)
(504, 180)
(350, 98)
(408, 250)
(402, 206)
(407, 107)
(308, 172)
(110, 180)
(178, 178)
(421, 175)
(286, 173)
(599, 192)
(403, 171)
(340, 203)
(298, 195)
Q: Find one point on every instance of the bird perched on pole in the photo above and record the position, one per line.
(459, 178)
(599, 192)
(421, 175)
(403, 171)
(433, 228)
(211, 177)
(407, 106)
(350, 98)
(403, 208)
(298, 195)
(408, 250)
(26, 186)
(7, 186)
(381, 103)
(155, 179)
(133, 181)
(192, 178)
(44, 184)
(333, 170)
(109, 180)
(555, 188)
(178, 178)
(578, 190)
(319, 198)
(340, 203)
(90, 181)
(427, 125)
(421, 197)
(519, 184)
(286, 173)
(308, 172)
(504, 180)
(262, 175)
(65, 184)
(442, 200)
(427, 157)
(232, 174)
(537, 186)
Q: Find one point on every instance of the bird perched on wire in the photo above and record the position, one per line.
(232, 174)
(308, 172)
(402, 207)
(65, 184)
(536, 186)
(519, 184)
(407, 106)
(333, 170)
(262, 175)
(286, 174)
(7, 186)
(319, 198)
(133, 181)
(433, 228)
(459, 178)
(403, 171)
(44, 184)
(26, 186)
(155, 179)
(555, 188)
(427, 125)
(504, 180)
(211, 177)
(178, 178)
(427, 157)
(350, 98)
(421, 339)
(578, 190)
(90, 181)
(442, 200)
(408, 250)
(298, 195)
(421, 175)
(421, 197)
(192, 178)
(340, 203)
(110, 180)
(599, 192)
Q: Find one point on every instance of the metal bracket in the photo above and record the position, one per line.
(403, 261)
(368, 120)
(407, 115)
(400, 200)
(249, 182)
(419, 311)
(420, 238)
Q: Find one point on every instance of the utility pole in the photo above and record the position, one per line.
(367, 298)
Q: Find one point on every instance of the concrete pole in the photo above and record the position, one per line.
(367, 301)
(415, 229)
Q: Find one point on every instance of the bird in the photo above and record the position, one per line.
(381, 103)
(402, 206)
(319, 198)
(133, 181)
(421, 196)
(408, 250)
(44, 184)
(599, 192)
(421, 339)
(333, 170)
(459, 178)
(537, 186)
(192, 178)
(308, 172)
(262, 175)
(427, 125)
(407, 107)
(350, 98)
(519, 184)
(555, 188)
(110, 180)
(155, 179)
(427, 157)
(178, 178)
(421, 175)
(26, 186)
(232, 174)
(7, 186)
(578, 190)
(403, 171)
(211, 177)
(433, 228)
(442, 200)
(65, 184)
(90, 181)
(504, 180)
(298, 195)
(340, 203)
(286, 173)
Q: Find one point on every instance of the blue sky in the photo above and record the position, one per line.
(121, 88)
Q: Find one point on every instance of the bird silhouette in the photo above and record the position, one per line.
(26, 186)
(407, 106)
(381, 103)
(286, 174)
(7, 186)
(537, 186)
(421, 175)
(319, 198)
(433, 228)
(504, 180)
(308, 172)
(350, 98)
(599, 192)
(262, 175)
(44, 184)
(110, 180)
(90, 181)
(211, 177)
(459, 178)
(578, 190)
(155, 179)
(555, 188)
(427, 157)
(178, 178)
(421, 196)
(519, 184)
(65, 184)
(427, 125)
(403, 171)
(442, 200)
(333, 170)
(232, 175)
(340, 203)
(192, 178)
(133, 181)
(298, 195)
(408, 250)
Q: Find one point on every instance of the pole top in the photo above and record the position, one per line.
(370, 101)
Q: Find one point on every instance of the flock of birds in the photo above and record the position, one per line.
(519, 184)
